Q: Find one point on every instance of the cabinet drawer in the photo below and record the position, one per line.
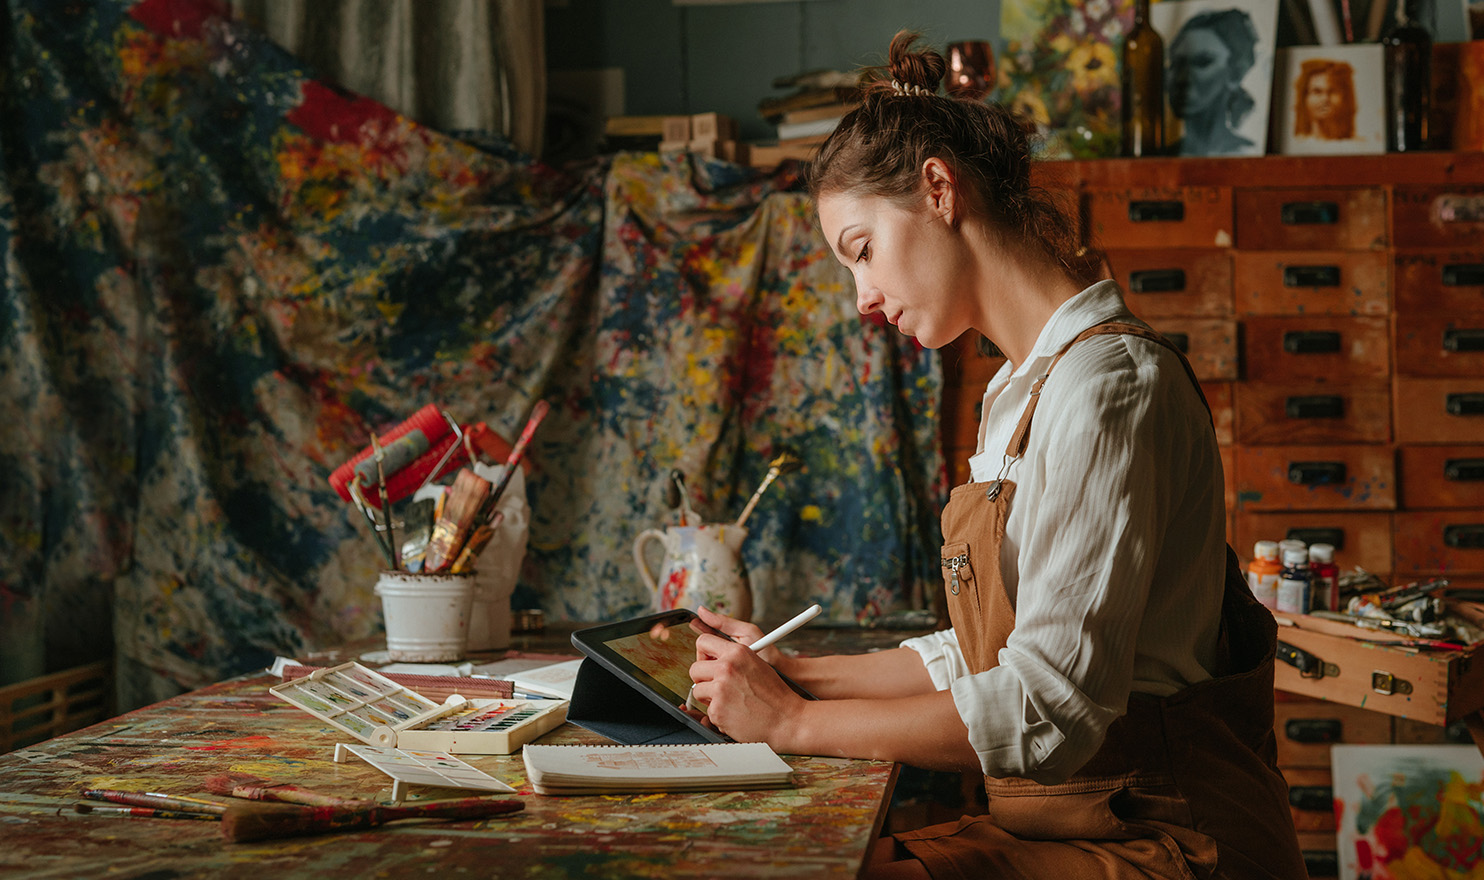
(1307, 728)
(1160, 217)
(1320, 850)
(1316, 478)
(1437, 216)
(1311, 283)
(1170, 282)
(1360, 539)
(1445, 283)
(1302, 413)
(1433, 477)
(1310, 797)
(1440, 344)
(1311, 219)
(1439, 410)
(1329, 349)
(1223, 415)
(1439, 541)
(1209, 344)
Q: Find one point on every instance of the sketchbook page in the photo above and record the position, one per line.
(544, 677)
(654, 767)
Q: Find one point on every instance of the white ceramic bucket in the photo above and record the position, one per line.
(427, 615)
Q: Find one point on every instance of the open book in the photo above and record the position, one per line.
(604, 769)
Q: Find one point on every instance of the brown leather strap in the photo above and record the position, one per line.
(1016, 448)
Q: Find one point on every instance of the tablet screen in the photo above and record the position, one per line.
(664, 653)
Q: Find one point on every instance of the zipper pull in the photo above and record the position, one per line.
(954, 564)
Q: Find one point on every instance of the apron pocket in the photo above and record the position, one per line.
(958, 571)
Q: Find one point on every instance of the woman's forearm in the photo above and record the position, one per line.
(897, 672)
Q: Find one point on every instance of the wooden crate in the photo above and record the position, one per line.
(1379, 674)
(51, 705)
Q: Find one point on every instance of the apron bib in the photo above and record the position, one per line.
(1183, 786)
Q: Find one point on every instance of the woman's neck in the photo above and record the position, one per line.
(1017, 294)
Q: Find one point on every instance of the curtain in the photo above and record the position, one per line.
(454, 65)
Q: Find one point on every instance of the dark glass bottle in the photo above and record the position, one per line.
(1408, 47)
(1143, 81)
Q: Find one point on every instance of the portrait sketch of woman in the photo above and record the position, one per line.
(1218, 74)
(1324, 100)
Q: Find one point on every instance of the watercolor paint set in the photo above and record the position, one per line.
(379, 712)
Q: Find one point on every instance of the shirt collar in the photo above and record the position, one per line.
(1095, 305)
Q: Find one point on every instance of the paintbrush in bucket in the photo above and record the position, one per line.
(460, 515)
(244, 822)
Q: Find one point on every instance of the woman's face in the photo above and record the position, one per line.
(908, 264)
(1199, 72)
(1322, 98)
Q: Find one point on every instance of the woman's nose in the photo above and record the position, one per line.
(867, 300)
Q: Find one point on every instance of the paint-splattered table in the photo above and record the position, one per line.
(821, 827)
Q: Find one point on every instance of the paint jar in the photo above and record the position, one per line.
(1324, 577)
(1263, 571)
(1293, 582)
(426, 615)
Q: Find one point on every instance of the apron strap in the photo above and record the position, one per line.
(1018, 440)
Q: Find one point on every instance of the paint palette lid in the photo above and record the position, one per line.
(361, 702)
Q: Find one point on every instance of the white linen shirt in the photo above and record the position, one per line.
(1115, 547)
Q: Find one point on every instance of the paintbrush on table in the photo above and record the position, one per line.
(172, 802)
(255, 788)
(244, 822)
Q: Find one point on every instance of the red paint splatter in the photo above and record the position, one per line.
(179, 19)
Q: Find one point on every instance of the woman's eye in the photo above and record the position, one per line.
(865, 252)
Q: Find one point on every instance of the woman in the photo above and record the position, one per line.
(1324, 100)
(1107, 671)
(1209, 57)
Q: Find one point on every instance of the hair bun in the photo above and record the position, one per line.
(913, 73)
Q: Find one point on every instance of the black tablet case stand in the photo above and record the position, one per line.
(609, 706)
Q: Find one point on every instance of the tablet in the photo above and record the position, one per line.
(653, 655)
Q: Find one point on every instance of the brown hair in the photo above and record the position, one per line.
(1341, 125)
(880, 147)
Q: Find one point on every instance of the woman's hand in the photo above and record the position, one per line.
(744, 697)
(738, 631)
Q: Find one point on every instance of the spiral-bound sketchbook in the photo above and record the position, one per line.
(605, 769)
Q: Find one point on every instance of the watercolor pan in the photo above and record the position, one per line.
(379, 712)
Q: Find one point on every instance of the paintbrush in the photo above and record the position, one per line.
(676, 497)
(243, 822)
(143, 812)
(538, 412)
(169, 802)
(254, 788)
(460, 514)
(786, 462)
(478, 540)
(386, 508)
(417, 529)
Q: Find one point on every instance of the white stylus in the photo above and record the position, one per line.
(793, 623)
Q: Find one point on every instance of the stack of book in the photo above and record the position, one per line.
(616, 769)
(807, 115)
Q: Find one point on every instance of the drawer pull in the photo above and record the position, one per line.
(1319, 535)
(1314, 730)
(1157, 281)
(1180, 341)
(1463, 340)
(1388, 684)
(1457, 208)
(1311, 797)
(1321, 862)
(1310, 213)
(1311, 276)
(1156, 212)
(1464, 537)
(1463, 470)
(1466, 403)
(1463, 274)
(1311, 342)
(1316, 473)
(1308, 665)
(1318, 406)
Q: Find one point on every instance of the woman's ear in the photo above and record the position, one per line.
(941, 190)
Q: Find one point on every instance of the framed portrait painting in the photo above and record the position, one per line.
(1218, 74)
(1329, 100)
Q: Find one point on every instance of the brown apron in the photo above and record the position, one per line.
(1183, 786)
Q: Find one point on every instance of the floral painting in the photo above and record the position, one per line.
(1409, 812)
(1060, 70)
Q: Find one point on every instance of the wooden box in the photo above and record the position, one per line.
(1326, 349)
(1361, 540)
(1440, 345)
(1160, 217)
(1311, 283)
(1439, 410)
(1307, 728)
(1437, 216)
(1311, 412)
(1446, 282)
(1441, 476)
(1331, 218)
(1379, 673)
(1353, 477)
(1175, 282)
